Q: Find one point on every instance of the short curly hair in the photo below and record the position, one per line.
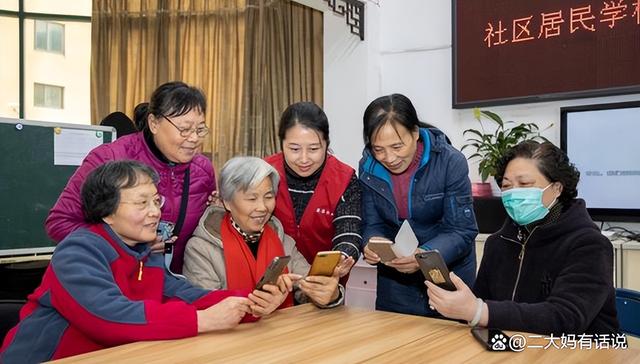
(552, 162)
(100, 193)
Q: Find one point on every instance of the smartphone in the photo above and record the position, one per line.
(165, 230)
(434, 269)
(492, 339)
(274, 270)
(324, 263)
(382, 248)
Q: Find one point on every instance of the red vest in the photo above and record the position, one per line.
(316, 230)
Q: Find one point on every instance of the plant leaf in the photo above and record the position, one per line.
(494, 117)
(473, 131)
(476, 113)
(491, 145)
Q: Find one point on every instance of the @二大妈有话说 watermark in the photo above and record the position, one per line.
(519, 342)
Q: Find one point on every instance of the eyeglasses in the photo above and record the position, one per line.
(200, 131)
(157, 202)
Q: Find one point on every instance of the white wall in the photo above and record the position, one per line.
(407, 49)
(415, 59)
(351, 78)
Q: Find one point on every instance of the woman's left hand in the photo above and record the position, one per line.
(214, 199)
(321, 290)
(157, 246)
(407, 264)
(285, 281)
(266, 300)
(345, 265)
(459, 304)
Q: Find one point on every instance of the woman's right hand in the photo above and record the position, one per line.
(271, 296)
(345, 265)
(320, 289)
(225, 314)
(266, 300)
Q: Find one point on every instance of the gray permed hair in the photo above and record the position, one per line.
(242, 173)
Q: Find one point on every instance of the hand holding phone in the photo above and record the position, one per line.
(382, 248)
(324, 263)
(434, 269)
(165, 230)
(492, 339)
(165, 233)
(275, 269)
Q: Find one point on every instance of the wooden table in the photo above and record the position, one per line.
(306, 334)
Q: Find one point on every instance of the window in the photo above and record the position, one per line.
(56, 35)
(49, 36)
(11, 5)
(48, 96)
(9, 68)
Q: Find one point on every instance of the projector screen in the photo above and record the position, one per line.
(603, 141)
(516, 51)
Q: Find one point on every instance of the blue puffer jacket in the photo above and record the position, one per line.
(440, 213)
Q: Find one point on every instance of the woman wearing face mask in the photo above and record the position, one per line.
(549, 269)
(172, 130)
(318, 196)
(410, 172)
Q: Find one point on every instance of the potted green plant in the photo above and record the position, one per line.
(489, 144)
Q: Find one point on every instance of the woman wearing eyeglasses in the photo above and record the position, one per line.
(103, 287)
(170, 143)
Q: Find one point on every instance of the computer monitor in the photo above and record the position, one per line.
(603, 141)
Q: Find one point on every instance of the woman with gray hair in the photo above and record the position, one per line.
(233, 246)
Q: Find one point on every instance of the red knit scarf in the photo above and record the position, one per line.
(243, 269)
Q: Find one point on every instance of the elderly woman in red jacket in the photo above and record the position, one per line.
(103, 287)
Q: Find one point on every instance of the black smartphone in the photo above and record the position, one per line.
(492, 339)
(434, 269)
(274, 270)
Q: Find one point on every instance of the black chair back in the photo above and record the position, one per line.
(628, 307)
(9, 315)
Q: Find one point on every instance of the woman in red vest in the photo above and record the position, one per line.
(318, 196)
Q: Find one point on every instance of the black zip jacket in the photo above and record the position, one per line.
(556, 279)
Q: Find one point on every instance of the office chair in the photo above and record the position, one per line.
(18, 280)
(628, 306)
(121, 122)
(9, 315)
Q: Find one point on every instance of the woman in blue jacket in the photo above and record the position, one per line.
(410, 172)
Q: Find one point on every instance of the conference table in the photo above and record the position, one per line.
(306, 334)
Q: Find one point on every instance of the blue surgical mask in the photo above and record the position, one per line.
(524, 205)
